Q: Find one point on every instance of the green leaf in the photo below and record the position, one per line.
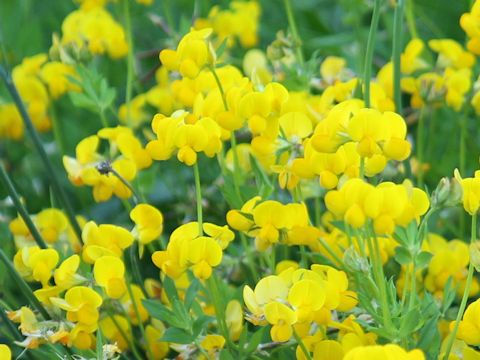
(255, 340)
(225, 354)
(177, 336)
(412, 321)
(221, 49)
(159, 311)
(200, 324)
(423, 259)
(402, 255)
(261, 179)
(191, 293)
(82, 101)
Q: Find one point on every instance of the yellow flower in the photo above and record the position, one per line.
(451, 54)
(81, 304)
(149, 223)
(212, 344)
(234, 319)
(55, 75)
(471, 192)
(115, 329)
(109, 273)
(51, 223)
(95, 29)
(191, 55)
(105, 239)
(306, 296)
(332, 68)
(66, 274)
(36, 264)
(153, 333)
(11, 123)
(127, 303)
(5, 352)
(282, 318)
(201, 254)
(389, 351)
(468, 329)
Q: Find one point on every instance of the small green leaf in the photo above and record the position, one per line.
(191, 293)
(159, 311)
(255, 340)
(177, 336)
(402, 255)
(200, 324)
(411, 322)
(423, 259)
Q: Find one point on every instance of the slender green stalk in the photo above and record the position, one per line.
(293, 28)
(463, 143)
(217, 301)
(57, 131)
(327, 247)
(8, 323)
(302, 345)
(137, 314)
(410, 14)
(128, 340)
(130, 60)
(220, 87)
(57, 187)
(7, 183)
(250, 259)
(397, 50)
(362, 167)
(136, 272)
(369, 52)
(466, 293)
(24, 288)
(127, 184)
(198, 190)
(420, 147)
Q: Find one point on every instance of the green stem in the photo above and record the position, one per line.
(362, 168)
(198, 190)
(57, 131)
(216, 299)
(57, 187)
(25, 289)
(293, 28)
(250, 259)
(419, 144)
(137, 314)
(466, 293)
(369, 52)
(463, 141)
(397, 49)
(103, 118)
(136, 272)
(130, 59)
(410, 14)
(13, 330)
(126, 183)
(302, 345)
(21, 209)
(128, 340)
(332, 253)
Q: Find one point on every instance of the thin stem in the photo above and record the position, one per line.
(198, 190)
(136, 272)
(21, 209)
(302, 345)
(220, 87)
(331, 252)
(397, 49)
(293, 28)
(369, 53)
(7, 79)
(130, 60)
(362, 168)
(410, 14)
(137, 314)
(216, 299)
(419, 144)
(27, 292)
(466, 292)
(126, 183)
(57, 131)
(463, 141)
(128, 340)
(250, 259)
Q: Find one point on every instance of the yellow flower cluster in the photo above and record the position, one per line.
(38, 82)
(240, 22)
(386, 205)
(270, 222)
(107, 174)
(93, 27)
(189, 248)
